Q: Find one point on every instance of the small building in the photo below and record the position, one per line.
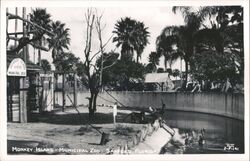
(164, 83)
(28, 89)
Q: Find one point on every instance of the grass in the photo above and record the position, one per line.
(67, 130)
(123, 130)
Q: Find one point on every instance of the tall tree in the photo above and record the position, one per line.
(165, 43)
(181, 36)
(40, 17)
(141, 39)
(132, 36)
(91, 72)
(61, 39)
(153, 62)
(58, 43)
(223, 39)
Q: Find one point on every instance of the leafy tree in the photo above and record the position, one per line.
(65, 62)
(45, 65)
(124, 75)
(195, 37)
(224, 37)
(213, 66)
(132, 36)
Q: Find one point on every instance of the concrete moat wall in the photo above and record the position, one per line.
(225, 104)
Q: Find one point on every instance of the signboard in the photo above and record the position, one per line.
(17, 68)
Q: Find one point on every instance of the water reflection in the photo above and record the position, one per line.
(222, 134)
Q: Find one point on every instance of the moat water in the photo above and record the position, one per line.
(220, 134)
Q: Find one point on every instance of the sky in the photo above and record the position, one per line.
(155, 18)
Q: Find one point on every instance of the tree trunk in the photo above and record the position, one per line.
(63, 92)
(186, 71)
(94, 101)
(91, 111)
(92, 104)
(181, 71)
(137, 58)
(165, 64)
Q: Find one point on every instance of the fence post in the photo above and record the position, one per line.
(75, 93)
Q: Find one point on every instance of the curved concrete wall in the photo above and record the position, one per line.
(225, 104)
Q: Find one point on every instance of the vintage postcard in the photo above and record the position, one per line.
(118, 80)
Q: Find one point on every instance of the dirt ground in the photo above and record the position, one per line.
(68, 133)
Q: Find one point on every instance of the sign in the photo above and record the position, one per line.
(17, 68)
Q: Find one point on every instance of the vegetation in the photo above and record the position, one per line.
(124, 75)
(45, 65)
(61, 39)
(132, 36)
(213, 51)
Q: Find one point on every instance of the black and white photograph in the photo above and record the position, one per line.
(125, 79)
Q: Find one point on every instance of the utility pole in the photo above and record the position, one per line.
(181, 72)
(23, 92)
(75, 91)
(63, 92)
(16, 12)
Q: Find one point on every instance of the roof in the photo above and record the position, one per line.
(30, 66)
(157, 78)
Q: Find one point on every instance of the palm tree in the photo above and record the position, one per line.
(165, 42)
(153, 62)
(181, 36)
(40, 17)
(222, 37)
(58, 43)
(132, 36)
(60, 40)
(142, 39)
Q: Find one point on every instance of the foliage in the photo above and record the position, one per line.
(60, 40)
(153, 62)
(124, 75)
(213, 66)
(132, 36)
(160, 70)
(176, 73)
(221, 45)
(211, 52)
(40, 17)
(123, 130)
(65, 62)
(45, 65)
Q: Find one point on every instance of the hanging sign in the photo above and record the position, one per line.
(17, 68)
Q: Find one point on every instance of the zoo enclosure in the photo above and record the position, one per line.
(224, 104)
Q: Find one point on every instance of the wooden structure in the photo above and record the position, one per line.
(22, 89)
